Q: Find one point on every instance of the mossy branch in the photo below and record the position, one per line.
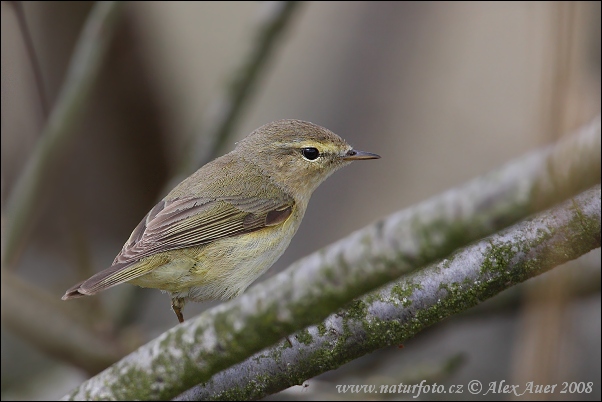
(397, 312)
(311, 289)
(25, 198)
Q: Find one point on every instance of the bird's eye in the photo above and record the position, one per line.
(310, 153)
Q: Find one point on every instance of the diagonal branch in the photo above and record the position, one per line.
(323, 282)
(397, 312)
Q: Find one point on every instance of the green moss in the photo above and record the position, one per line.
(445, 264)
(321, 329)
(139, 383)
(329, 273)
(404, 292)
(588, 228)
(497, 257)
(252, 390)
(459, 296)
(304, 337)
(356, 309)
(441, 237)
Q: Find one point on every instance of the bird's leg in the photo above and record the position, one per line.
(177, 304)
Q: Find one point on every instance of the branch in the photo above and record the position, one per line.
(24, 200)
(397, 312)
(323, 282)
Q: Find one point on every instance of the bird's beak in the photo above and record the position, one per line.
(355, 155)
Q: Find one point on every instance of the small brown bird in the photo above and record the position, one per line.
(226, 224)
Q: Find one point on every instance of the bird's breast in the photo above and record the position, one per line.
(228, 266)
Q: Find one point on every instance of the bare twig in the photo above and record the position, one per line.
(315, 286)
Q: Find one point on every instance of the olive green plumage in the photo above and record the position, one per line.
(223, 226)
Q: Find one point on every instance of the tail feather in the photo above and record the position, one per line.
(114, 275)
(73, 292)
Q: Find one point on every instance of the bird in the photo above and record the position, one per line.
(223, 226)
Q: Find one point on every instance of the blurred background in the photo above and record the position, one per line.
(442, 91)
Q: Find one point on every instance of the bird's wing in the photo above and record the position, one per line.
(182, 223)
